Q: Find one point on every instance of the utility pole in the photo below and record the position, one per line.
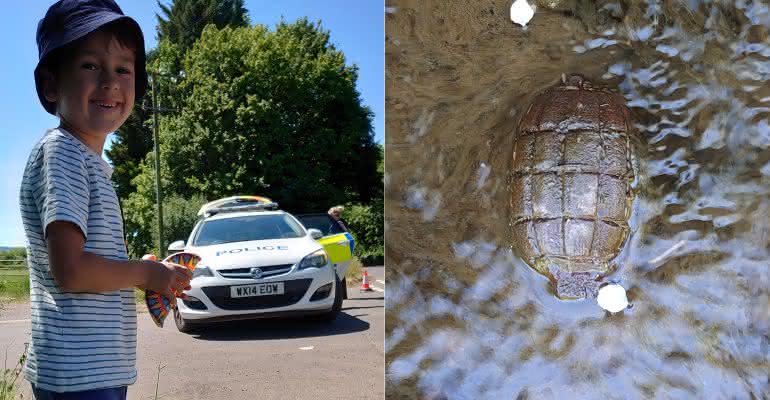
(158, 190)
(156, 108)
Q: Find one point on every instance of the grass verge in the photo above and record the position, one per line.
(355, 272)
(9, 379)
(14, 285)
(139, 296)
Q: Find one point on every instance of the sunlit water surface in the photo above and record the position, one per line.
(466, 319)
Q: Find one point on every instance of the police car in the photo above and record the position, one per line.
(256, 261)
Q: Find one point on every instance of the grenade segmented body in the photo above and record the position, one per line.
(571, 184)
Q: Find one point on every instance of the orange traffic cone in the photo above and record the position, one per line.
(365, 284)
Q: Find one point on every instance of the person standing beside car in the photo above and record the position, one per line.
(336, 214)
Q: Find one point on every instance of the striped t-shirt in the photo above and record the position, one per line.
(80, 341)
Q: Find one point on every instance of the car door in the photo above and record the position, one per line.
(338, 243)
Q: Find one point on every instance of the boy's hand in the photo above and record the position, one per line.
(167, 279)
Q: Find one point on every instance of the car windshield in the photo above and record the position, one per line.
(251, 227)
(322, 222)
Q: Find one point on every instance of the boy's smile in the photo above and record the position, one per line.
(96, 89)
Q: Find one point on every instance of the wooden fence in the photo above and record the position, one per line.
(13, 267)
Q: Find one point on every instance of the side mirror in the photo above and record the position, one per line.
(315, 233)
(176, 246)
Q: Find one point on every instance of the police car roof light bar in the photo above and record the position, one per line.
(241, 208)
(233, 201)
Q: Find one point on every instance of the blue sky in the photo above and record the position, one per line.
(356, 28)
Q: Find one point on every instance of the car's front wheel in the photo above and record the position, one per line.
(331, 315)
(182, 324)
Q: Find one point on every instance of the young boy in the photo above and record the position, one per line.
(90, 72)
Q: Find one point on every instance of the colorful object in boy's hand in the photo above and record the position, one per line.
(159, 305)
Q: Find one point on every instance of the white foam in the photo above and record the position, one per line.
(521, 12)
(483, 174)
(612, 298)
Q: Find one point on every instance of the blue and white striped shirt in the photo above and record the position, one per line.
(80, 341)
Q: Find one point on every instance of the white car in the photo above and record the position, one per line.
(256, 262)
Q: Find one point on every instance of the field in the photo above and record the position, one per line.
(14, 282)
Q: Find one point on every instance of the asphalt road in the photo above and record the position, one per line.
(265, 359)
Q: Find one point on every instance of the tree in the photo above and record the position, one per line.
(131, 143)
(367, 225)
(269, 113)
(179, 214)
(181, 25)
(185, 19)
(272, 112)
(381, 161)
(15, 253)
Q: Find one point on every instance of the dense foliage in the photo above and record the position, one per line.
(15, 253)
(273, 113)
(366, 223)
(183, 22)
(178, 28)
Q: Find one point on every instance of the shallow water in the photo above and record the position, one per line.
(466, 319)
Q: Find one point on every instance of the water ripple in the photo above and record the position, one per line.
(469, 320)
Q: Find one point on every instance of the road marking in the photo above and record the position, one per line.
(383, 282)
(307, 348)
(10, 321)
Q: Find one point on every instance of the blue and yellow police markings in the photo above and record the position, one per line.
(339, 247)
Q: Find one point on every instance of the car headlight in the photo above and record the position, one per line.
(201, 272)
(316, 259)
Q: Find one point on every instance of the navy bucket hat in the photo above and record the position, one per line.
(69, 20)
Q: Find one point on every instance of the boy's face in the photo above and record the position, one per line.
(94, 92)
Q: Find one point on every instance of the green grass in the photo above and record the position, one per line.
(139, 296)
(14, 284)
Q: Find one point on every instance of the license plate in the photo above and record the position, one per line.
(260, 289)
